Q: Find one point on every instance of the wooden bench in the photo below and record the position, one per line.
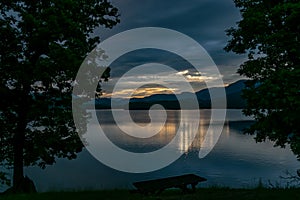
(156, 186)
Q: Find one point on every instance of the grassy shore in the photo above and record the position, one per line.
(207, 193)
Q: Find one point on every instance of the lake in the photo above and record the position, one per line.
(235, 161)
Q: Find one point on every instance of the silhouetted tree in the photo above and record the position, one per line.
(269, 32)
(42, 45)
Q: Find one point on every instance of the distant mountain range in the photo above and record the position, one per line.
(170, 101)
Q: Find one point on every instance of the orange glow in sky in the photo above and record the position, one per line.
(141, 92)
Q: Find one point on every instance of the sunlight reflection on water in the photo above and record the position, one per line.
(236, 160)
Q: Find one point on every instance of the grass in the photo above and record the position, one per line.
(205, 193)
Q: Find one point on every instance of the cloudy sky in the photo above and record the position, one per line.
(205, 21)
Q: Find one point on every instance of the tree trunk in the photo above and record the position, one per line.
(18, 142)
(21, 184)
(18, 174)
(18, 148)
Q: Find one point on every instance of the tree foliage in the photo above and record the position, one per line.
(42, 45)
(269, 33)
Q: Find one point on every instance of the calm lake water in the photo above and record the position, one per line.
(235, 161)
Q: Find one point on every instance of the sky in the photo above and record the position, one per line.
(205, 21)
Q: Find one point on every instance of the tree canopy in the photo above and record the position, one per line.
(42, 45)
(269, 34)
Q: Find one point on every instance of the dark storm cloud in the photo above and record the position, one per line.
(140, 57)
(203, 20)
